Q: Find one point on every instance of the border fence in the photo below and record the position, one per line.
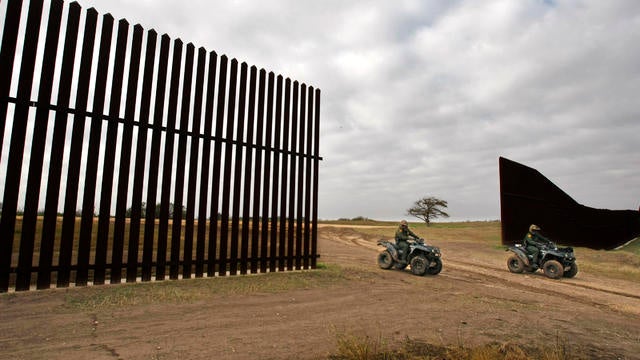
(128, 156)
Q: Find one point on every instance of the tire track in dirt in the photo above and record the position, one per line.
(551, 289)
(587, 294)
(564, 281)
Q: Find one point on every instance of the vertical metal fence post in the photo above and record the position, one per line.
(266, 186)
(285, 178)
(301, 169)
(257, 168)
(291, 251)
(165, 198)
(16, 146)
(34, 178)
(316, 175)
(154, 164)
(57, 149)
(240, 145)
(125, 161)
(215, 178)
(226, 173)
(307, 186)
(7, 58)
(176, 228)
(277, 153)
(167, 169)
(88, 201)
(248, 162)
(204, 166)
(75, 153)
(139, 167)
(104, 216)
(193, 166)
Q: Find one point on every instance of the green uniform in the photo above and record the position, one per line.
(402, 235)
(533, 242)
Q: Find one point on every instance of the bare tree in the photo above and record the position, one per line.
(428, 208)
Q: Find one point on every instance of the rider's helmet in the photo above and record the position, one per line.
(533, 228)
(404, 223)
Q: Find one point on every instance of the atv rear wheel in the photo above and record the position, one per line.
(553, 269)
(419, 265)
(515, 264)
(435, 269)
(573, 270)
(385, 260)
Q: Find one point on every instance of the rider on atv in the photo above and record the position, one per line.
(534, 241)
(402, 235)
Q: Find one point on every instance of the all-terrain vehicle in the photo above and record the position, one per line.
(554, 261)
(423, 258)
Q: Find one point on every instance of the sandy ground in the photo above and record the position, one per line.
(473, 301)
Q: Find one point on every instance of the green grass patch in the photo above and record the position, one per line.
(352, 347)
(201, 289)
(618, 264)
(632, 247)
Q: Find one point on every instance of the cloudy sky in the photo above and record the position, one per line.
(421, 97)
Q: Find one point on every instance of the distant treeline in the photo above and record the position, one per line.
(143, 211)
(357, 218)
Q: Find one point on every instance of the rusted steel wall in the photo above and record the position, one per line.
(131, 156)
(528, 197)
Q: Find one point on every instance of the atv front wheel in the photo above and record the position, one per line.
(435, 269)
(515, 264)
(385, 260)
(419, 265)
(573, 270)
(553, 269)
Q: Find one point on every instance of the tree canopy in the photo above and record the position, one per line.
(428, 208)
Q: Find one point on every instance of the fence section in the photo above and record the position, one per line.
(141, 158)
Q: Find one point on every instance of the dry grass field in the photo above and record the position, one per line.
(348, 308)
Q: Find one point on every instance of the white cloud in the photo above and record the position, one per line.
(422, 97)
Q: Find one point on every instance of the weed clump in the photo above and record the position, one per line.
(351, 347)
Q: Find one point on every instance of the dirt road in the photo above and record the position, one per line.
(473, 301)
